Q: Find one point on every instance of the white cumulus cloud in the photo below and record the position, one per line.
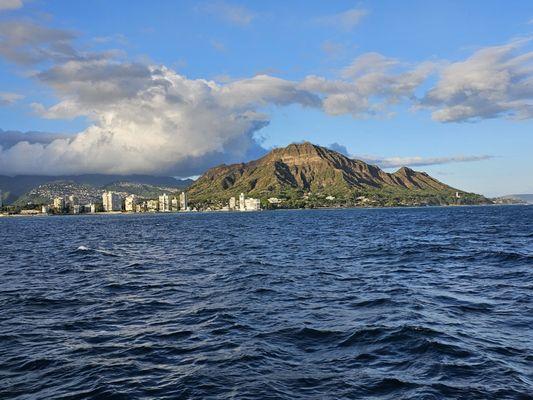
(493, 82)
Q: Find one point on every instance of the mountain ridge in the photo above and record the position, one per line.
(302, 168)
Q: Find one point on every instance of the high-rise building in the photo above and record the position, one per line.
(232, 203)
(242, 202)
(184, 201)
(130, 203)
(174, 204)
(111, 201)
(164, 203)
(1, 200)
(59, 204)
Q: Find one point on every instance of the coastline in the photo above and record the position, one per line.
(123, 213)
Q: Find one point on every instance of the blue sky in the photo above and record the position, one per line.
(483, 149)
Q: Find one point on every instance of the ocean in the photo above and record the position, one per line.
(404, 303)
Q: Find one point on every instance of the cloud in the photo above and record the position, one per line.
(26, 43)
(117, 38)
(11, 138)
(339, 148)
(417, 161)
(231, 13)
(150, 119)
(147, 118)
(7, 5)
(371, 84)
(29, 44)
(346, 20)
(493, 82)
(7, 98)
(368, 63)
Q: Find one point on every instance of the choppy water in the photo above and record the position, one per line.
(422, 303)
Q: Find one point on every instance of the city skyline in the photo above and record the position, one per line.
(175, 88)
(113, 202)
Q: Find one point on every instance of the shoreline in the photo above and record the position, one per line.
(123, 213)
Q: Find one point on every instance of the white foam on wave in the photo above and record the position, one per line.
(101, 251)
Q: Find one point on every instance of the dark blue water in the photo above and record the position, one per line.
(424, 303)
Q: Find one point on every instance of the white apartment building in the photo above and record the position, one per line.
(111, 201)
(184, 201)
(130, 203)
(164, 203)
(246, 203)
(242, 204)
(252, 204)
(174, 204)
(152, 205)
(232, 203)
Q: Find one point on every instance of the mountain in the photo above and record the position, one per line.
(307, 171)
(15, 187)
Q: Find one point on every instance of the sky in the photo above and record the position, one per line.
(173, 88)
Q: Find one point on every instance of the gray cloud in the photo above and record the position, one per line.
(27, 43)
(339, 148)
(11, 138)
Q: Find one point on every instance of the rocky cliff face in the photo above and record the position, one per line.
(309, 168)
